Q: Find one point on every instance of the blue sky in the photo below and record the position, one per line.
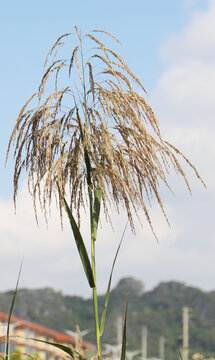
(170, 46)
(31, 28)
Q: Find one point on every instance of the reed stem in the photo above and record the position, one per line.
(95, 302)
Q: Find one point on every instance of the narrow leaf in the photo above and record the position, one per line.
(96, 210)
(123, 351)
(81, 246)
(103, 318)
(179, 353)
(10, 313)
(97, 202)
(66, 349)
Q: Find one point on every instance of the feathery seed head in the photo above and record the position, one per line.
(99, 113)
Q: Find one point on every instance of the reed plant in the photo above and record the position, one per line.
(90, 138)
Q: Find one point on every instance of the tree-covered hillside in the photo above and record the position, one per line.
(159, 309)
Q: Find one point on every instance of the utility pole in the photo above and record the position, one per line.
(144, 343)
(161, 347)
(185, 333)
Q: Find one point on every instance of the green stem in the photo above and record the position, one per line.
(92, 217)
(95, 304)
(93, 257)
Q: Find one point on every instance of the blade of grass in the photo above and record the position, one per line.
(97, 203)
(66, 349)
(81, 246)
(96, 210)
(123, 351)
(10, 313)
(179, 353)
(103, 318)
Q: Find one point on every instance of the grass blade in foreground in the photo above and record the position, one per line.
(10, 313)
(123, 351)
(81, 247)
(103, 318)
(68, 350)
(179, 353)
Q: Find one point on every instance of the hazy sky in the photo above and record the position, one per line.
(170, 46)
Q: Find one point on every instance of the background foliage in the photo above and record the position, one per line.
(160, 309)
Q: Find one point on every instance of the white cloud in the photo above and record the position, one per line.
(51, 258)
(50, 255)
(186, 93)
(184, 102)
(184, 96)
(196, 41)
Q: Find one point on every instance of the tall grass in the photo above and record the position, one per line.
(90, 139)
(10, 314)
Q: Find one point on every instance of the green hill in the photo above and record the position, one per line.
(159, 309)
